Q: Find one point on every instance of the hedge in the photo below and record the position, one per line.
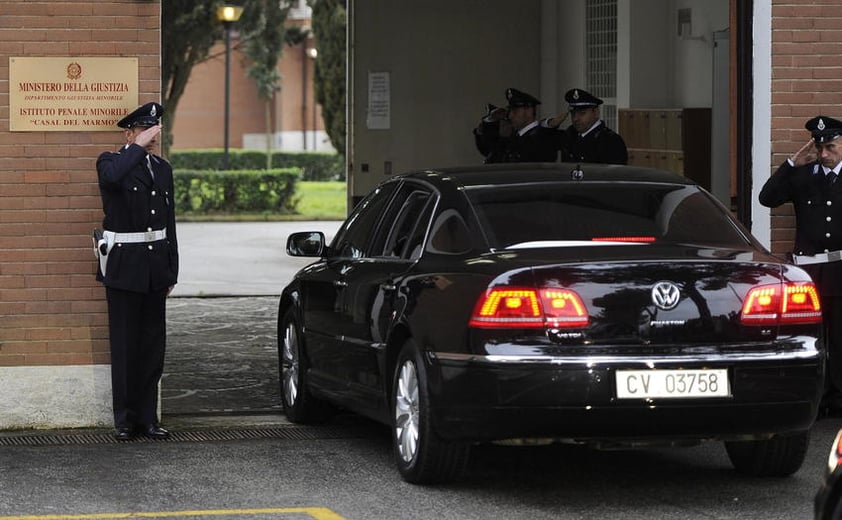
(246, 191)
(314, 166)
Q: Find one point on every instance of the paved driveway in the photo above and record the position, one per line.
(222, 356)
(239, 258)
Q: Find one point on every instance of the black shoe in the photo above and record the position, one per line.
(154, 431)
(123, 434)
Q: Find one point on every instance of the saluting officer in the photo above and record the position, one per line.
(139, 268)
(492, 132)
(587, 139)
(807, 179)
(528, 142)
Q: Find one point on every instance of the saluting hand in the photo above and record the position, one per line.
(148, 138)
(805, 155)
(555, 122)
(498, 114)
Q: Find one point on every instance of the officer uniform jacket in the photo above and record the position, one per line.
(537, 144)
(600, 145)
(133, 202)
(818, 217)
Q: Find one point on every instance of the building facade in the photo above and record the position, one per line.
(291, 121)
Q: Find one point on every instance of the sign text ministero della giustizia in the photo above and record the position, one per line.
(86, 94)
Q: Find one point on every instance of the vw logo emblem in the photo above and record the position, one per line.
(665, 295)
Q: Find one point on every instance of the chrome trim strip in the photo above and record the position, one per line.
(593, 361)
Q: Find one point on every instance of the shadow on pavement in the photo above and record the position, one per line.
(221, 357)
(222, 363)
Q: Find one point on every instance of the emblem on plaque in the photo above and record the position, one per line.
(74, 71)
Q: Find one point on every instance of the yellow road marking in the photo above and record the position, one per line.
(316, 513)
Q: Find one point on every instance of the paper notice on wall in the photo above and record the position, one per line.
(378, 113)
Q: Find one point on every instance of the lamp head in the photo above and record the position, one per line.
(228, 13)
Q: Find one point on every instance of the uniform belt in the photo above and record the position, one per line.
(819, 258)
(143, 236)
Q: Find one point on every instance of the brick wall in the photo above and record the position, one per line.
(806, 81)
(52, 310)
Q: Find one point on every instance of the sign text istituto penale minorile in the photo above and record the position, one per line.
(72, 93)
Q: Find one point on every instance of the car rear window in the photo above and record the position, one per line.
(601, 212)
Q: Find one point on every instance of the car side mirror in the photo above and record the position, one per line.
(306, 243)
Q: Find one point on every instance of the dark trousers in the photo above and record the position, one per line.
(137, 326)
(832, 315)
(828, 279)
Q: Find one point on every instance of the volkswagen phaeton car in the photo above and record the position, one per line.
(604, 305)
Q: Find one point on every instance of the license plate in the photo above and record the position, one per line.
(648, 384)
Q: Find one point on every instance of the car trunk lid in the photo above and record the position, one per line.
(677, 297)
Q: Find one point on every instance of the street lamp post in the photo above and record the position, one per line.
(228, 15)
(304, 95)
(314, 53)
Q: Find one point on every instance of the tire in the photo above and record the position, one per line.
(780, 456)
(421, 457)
(299, 404)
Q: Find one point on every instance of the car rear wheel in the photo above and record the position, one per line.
(780, 456)
(421, 456)
(299, 405)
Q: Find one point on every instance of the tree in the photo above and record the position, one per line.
(329, 21)
(263, 38)
(189, 29)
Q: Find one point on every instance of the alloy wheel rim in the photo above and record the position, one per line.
(406, 412)
(290, 364)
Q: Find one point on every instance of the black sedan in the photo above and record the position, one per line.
(607, 305)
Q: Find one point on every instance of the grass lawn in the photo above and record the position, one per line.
(321, 200)
(316, 201)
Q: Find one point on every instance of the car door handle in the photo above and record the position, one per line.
(340, 283)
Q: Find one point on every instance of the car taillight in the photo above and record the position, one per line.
(525, 307)
(782, 303)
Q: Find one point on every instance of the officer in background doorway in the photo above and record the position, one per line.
(528, 140)
(808, 179)
(491, 134)
(587, 139)
(138, 254)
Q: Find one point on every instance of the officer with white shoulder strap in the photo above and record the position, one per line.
(138, 254)
(807, 179)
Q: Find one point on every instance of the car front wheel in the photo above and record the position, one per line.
(422, 457)
(780, 456)
(299, 405)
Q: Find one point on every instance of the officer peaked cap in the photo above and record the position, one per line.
(144, 115)
(516, 98)
(824, 129)
(577, 97)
